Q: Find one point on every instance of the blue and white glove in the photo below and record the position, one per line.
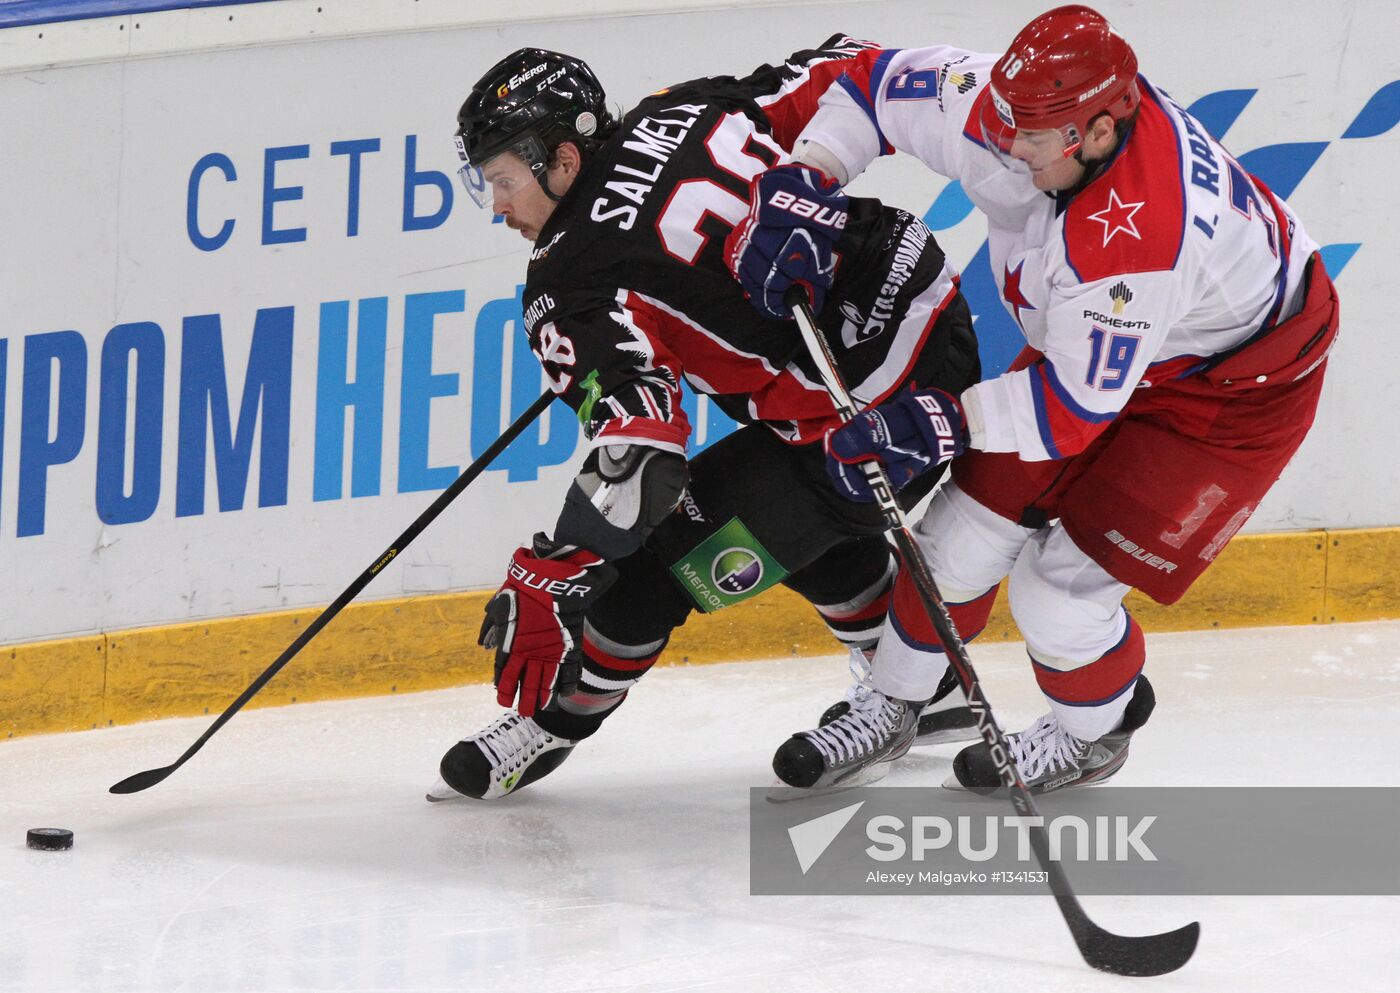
(795, 218)
(916, 431)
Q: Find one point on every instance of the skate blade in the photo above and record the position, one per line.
(944, 725)
(947, 736)
(442, 793)
(1084, 782)
(781, 792)
(951, 783)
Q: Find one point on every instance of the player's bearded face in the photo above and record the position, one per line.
(516, 195)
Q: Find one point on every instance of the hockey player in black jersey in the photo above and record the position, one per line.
(627, 293)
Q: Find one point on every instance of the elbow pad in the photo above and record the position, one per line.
(811, 154)
(619, 497)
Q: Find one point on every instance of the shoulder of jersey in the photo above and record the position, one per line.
(690, 90)
(573, 244)
(559, 286)
(1133, 217)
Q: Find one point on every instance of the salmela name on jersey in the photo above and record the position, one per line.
(653, 139)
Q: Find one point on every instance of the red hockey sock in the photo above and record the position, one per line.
(913, 626)
(1100, 681)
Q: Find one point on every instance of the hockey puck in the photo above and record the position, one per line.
(49, 839)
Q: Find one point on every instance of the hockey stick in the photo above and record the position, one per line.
(145, 780)
(1145, 955)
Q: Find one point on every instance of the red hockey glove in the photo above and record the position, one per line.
(910, 434)
(535, 622)
(789, 237)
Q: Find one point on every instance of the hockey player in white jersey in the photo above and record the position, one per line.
(1178, 320)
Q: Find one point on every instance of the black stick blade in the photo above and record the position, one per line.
(1143, 955)
(142, 780)
(145, 780)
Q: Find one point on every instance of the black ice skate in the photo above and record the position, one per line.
(945, 718)
(856, 747)
(1050, 758)
(513, 752)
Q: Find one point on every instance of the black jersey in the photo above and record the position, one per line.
(627, 291)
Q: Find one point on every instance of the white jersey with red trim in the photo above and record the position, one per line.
(1171, 255)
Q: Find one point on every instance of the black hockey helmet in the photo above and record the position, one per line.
(528, 103)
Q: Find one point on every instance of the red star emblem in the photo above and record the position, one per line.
(1011, 291)
(1118, 216)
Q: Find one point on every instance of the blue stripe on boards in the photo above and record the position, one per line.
(24, 13)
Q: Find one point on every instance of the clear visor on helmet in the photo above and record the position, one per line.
(502, 175)
(1023, 149)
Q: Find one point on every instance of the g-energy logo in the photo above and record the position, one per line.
(526, 76)
(542, 251)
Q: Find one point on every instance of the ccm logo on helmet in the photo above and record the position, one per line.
(826, 216)
(554, 587)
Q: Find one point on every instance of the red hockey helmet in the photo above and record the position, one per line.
(1062, 70)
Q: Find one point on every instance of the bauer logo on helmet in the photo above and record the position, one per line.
(1095, 91)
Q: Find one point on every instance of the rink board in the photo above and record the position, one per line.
(240, 246)
(283, 333)
(422, 643)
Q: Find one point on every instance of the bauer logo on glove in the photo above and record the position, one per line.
(950, 442)
(535, 622)
(909, 435)
(788, 239)
(809, 210)
(554, 587)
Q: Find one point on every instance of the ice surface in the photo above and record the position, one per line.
(296, 851)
